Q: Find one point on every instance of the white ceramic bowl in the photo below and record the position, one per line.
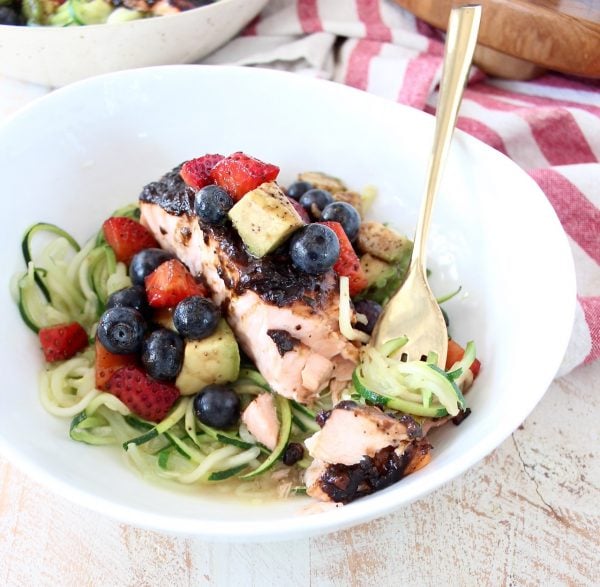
(55, 56)
(77, 154)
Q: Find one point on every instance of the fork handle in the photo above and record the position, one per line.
(461, 37)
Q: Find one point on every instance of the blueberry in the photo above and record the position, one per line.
(314, 249)
(298, 188)
(212, 204)
(217, 406)
(129, 297)
(145, 262)
(371, 310)
(294, 452)
(345, 214)
(315, 200)
(121, 330)
(196, 317)
(9, 15)
(162, 354)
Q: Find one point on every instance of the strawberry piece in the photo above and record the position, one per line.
(63, 341)
(196, 172)
(144, 396)
(300, 209)
(170, 283)
(108, 363)
(456, 353)
(127, 237)
(239, 173)
(348, 263)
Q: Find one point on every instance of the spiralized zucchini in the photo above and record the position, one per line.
(345, 312)
(64, 282)
(178, 448)
(68, 388)
(413, 387)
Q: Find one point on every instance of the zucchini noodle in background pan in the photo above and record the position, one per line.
(216, 331)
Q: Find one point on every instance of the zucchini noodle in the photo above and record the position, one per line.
(64, 283)
(117, 423)
(68, 388)
(245, 434)
(416, 387)
(210, 463)
(345, 313)
(190, 423)
(111, 402)
(243, 458)
(36, 311)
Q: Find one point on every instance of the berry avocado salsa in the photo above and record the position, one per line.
(216, 331)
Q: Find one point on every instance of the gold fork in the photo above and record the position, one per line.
(413, 311)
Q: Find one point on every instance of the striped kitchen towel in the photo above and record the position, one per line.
(549, 126)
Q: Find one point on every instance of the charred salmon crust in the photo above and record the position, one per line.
(345, 483)
(359, 450)
(171, 193)
(283, 340)
(272, 277)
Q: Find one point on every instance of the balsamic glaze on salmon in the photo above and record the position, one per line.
(171, 193)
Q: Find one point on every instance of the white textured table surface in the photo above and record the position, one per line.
(529, 514)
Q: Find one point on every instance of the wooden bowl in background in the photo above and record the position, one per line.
(519, 39)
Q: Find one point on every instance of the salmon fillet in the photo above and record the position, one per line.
(286, 321)
(261, 420)
(360, 450)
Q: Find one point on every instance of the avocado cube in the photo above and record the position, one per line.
(323, 181)
(265, 218)
(382, 242)
(214, 359)
(376, 271)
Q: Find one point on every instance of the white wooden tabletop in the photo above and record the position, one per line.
(529, 514)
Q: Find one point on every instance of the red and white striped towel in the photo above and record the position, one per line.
(549, 126)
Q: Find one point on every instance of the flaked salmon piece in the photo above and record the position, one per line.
(352, 432)
(316, 471)
(261, 420)
(360, 450)
(344, 483)
(285, 321)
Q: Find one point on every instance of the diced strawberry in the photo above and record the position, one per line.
(63, 341)
(239, 173)
(456, 353)
(300, 209)
(170, 283)
(108, 363)
(348, 263)
(127, 237)
(144, 396)
(196, 172)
